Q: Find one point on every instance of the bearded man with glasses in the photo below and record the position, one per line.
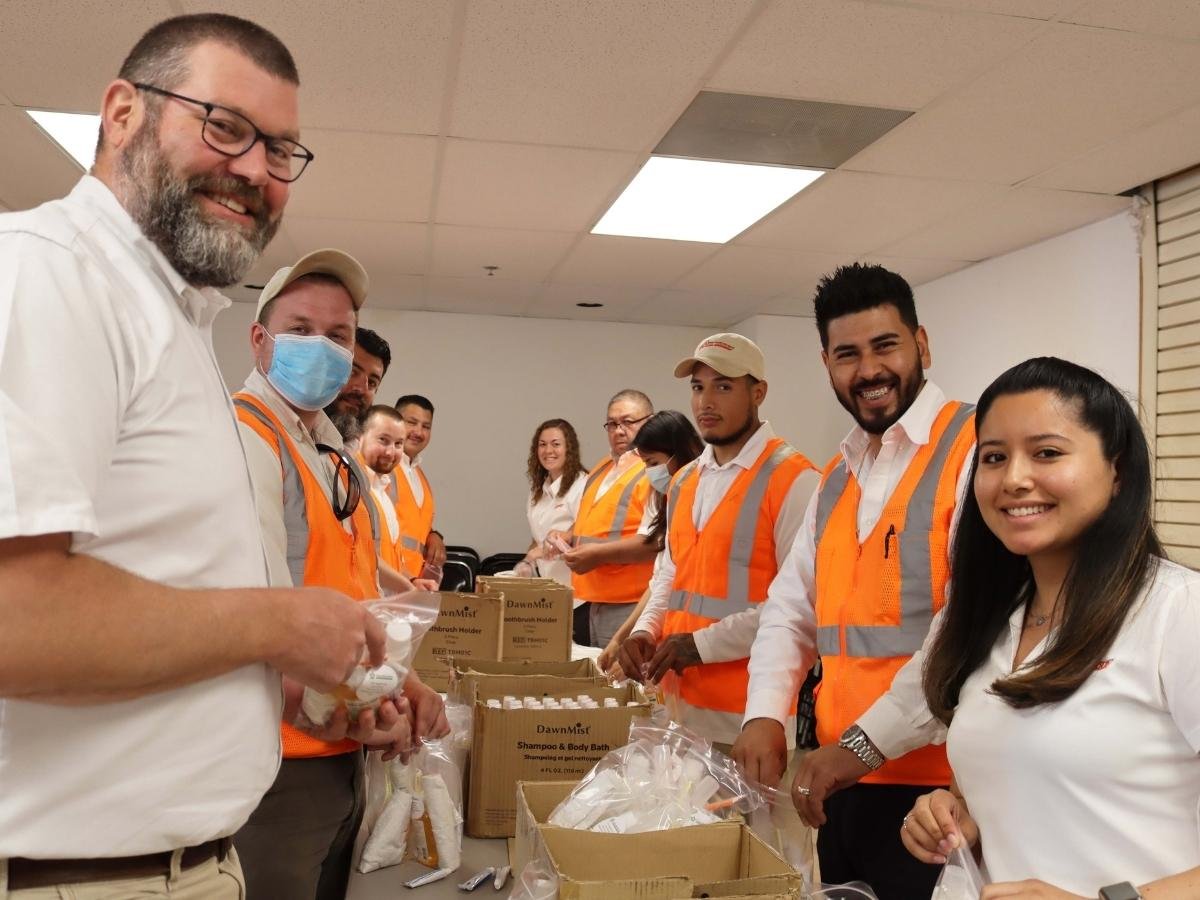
(141, 650)
(610, 562)
(320, 529)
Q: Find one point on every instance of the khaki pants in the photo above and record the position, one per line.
(211, 880)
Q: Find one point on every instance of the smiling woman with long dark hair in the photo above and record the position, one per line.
(1067, 663)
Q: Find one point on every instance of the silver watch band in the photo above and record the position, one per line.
(856, 741)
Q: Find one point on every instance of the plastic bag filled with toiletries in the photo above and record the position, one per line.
(405, 618)
(422, 816)
(665, 777)
(960, 878)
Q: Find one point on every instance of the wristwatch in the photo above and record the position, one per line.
(856, 741)
(1122, 891)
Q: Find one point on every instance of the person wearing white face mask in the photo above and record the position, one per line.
(319, 529)
(731, 517)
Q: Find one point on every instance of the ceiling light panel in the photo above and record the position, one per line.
(76, 133)
(700, 200)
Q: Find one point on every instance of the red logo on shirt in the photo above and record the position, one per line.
(1103, 664)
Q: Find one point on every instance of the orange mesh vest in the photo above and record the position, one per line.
(320, 552)
(875, 600)
(614, 516)
(727, 566)
(415, 521)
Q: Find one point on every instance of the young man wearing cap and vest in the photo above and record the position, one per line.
(733, 514)
(421, 545)
(316, 532)
(861, 588)
(610, 563)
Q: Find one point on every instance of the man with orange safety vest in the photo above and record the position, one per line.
(732, 516)
(317, 531)
(421, 547)
(610, 561)
(861, 587)
(380, 449)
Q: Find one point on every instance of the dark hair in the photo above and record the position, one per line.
(160, 57)
(672, 433)
(636, 396)
(572, 469)
(855, 288)
(415, 400)
(988, 582)
(381, 409)
(374, 344)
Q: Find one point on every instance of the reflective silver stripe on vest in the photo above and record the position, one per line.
(598, 473)
(295, 509)
(916, 576)
(364, 490)
(622, 512)
(411, 543)
(737, 581)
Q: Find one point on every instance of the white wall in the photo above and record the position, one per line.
(493, 379)
(1076, 296)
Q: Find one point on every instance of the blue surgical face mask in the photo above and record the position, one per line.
(660, 478)
(308, 370)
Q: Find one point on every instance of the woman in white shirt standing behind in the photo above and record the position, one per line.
(1067, 665)
(556, 482)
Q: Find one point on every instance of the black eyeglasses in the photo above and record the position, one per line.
(343, 506)
(232, 134)
(626, 424)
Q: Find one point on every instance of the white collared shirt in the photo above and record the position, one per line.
(267, 477)
(116, 427)
(380, 484)
(1104, 786)
(413, 477)
(732, 637)
(785, 647)
(554, 513)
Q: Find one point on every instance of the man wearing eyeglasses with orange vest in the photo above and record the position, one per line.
(319, 529)
(610, 562)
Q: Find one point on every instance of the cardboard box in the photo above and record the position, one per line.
(467, 626)
(518, 678)
(511, 745)
(535, 801)
(537, 620)
(722, 860)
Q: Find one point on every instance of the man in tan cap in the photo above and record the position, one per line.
(318, 530)
(732, 515)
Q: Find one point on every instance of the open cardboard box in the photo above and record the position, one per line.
(725, 860)
(537, 618)
(468, 625)
(517, 678)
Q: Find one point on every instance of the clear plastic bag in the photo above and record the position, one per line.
(537, 881)
(960, 878)
(665, 777)
(855, 890)
(405, 618)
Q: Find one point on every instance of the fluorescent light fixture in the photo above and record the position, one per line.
(700, 200)
(74, 132)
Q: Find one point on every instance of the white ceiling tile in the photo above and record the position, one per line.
(523, 186)
(383, 177)
(1139, 157)
(918, 271)
(749, 272)
(1021, 217)
(279, 253)
(1027, 9)
(1172, 18)
(854, 212)
(479, 294)
(393, 291)
(850, 51)
(62, 55)
(557, 301)
(709, 309)
(1071, 89)
(789, 305)
(526, 255)
(385, 249)
(33, 168)
(371, 65)
(625, 261)
(588, 73)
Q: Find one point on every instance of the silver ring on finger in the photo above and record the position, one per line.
(904, 822)
(804, 791)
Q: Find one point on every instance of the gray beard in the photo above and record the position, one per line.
(204, 252)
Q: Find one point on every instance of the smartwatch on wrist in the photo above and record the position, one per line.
(856, 741)
(1122, 891)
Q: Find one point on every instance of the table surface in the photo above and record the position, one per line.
(388, 884)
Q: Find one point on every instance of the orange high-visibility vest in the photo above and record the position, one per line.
(727, 566)
(320, 552)
(389, 550)
(875, 600)
(614, 516)
(415, 521)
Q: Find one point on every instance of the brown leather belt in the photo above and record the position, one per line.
(37, 873)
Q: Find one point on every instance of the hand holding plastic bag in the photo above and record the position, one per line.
(960, 878)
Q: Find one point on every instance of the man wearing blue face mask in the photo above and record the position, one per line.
(317, 529)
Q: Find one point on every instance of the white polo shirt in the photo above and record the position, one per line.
(115, 427)
(1104, 786)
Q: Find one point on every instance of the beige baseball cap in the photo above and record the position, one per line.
(342, 266)
(733, 355)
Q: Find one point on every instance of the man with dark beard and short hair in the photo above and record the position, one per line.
(141, 652)
(372, 356)
(861, 587)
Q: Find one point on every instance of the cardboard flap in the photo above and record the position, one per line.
(762, 887)
(676, 888)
